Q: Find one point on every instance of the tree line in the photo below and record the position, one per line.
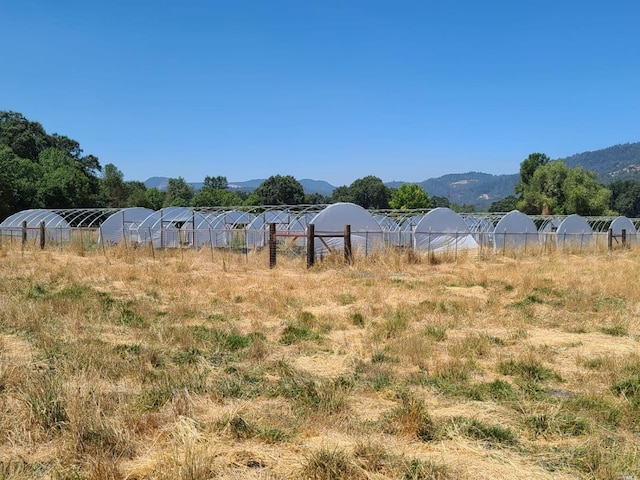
(41, 170)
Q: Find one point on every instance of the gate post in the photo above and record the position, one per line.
(24, 232)
(272, 245)
(311, 248)
(610, 239)
(348, 255)
(624, 237)
(42, 232)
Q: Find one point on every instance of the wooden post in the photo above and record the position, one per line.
(24, 232)
(610, 239)
(348, 255)
(272, 245)
(311, 247)
(624, 238)
(42, 232)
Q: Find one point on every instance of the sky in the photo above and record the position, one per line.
(331, 90)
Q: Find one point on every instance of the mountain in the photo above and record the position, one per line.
(309, 185)
(619, 162)
(472, 188)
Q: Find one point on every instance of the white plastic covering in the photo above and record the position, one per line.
(172, 227)
(56, 227)
(442, 229)
(481, 228)
(623, 223)
(228, 228)
(258, 229)
(123, 225)
(574, 230)
(366, 233)
(515, 231)
(390, 229)
(406, 229)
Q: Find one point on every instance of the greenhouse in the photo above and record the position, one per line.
(574, 231)
(442, 229)
(247, 228)
(123, 225)
(329, 224)
(515, 231)
(56, 227)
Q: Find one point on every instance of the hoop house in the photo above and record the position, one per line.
(228, 228)
(574, 230)
(442, 229)
(123, 225)
(623, 223)
(390, 229)
(515, 230)
(171, 227)
(481, 228)
(258, 229)
(56, 227)
(366, 234)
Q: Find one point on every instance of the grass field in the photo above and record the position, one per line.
(198, 365)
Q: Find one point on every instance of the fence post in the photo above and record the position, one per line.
(610, 239)
(24, 232)
(311, 248)
(624, 238)
(42, 232)
(272, 245)
(348, 255)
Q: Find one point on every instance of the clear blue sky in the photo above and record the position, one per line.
(328, 89)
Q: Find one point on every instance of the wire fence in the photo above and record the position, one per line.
(445, 244)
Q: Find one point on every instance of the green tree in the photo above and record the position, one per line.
(409, 196)
(63, 183)
(505, 204)
(440, 202)
(368, 192)
(215, 183)
(213, 197)
(113, 188)
(154, 199)
(25, 138)
(179, 193)
(625, 197)
(136, 194)
(556, 189)
(8, 178)
(341, 194)
(279, 190)
(528, 168)
(315, 199)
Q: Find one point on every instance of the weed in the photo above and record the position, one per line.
(329, 464)
(436, 332)
(479, 430)
(297, 333)
(616, 330)
(346, 299)
(425, 470)
(527, 369)
(558, 422)
(411, 418)
(45, 397)
(357, 319)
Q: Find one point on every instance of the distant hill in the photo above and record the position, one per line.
(309, 185)
(619, 162)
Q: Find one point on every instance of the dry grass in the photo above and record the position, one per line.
(132, 364)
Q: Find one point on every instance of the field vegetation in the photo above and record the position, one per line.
(120, 364)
